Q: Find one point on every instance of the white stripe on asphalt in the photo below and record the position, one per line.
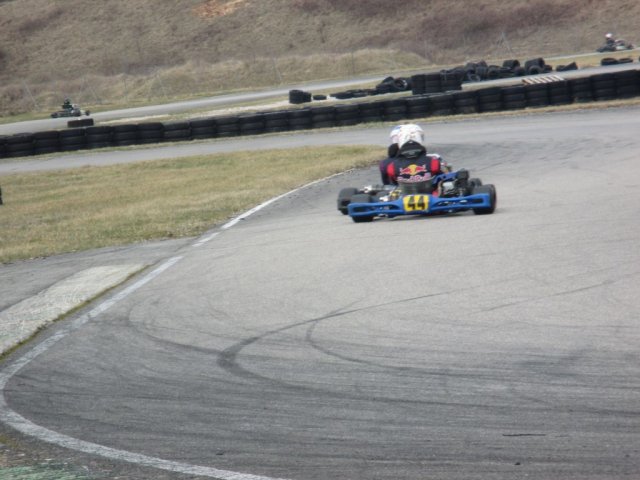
(26, 427)
(21, 424)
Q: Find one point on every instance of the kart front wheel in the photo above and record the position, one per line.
(344, 199)
(362, 198)
(493, 199)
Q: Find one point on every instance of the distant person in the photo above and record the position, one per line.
(609, 40)
(67, 104)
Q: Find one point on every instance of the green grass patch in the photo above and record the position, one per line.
(47, 213)
(39, 473)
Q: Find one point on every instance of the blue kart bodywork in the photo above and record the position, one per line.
(416, 204)
(481, 199)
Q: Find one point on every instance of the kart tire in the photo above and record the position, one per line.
(362, 219)
(493, 199)
(344, 199)
(362, 198)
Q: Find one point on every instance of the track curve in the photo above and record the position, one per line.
(300, 345)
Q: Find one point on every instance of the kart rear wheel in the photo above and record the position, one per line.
(362, 198)
(344, 199)
(493, 199)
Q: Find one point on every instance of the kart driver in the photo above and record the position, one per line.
(609, 40)
(413, 167)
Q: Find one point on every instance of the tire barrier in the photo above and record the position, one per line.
(99, 136)
(19, 145)
(297, 97)
(152, 132)
(73, 139)
(387, 85)
(46, 142)
(83, 122)
(125, 135)
(480, 71)
(600, 87)
(176, 131)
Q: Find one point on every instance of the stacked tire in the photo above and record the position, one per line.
(151, 132)
(560, 93)
(419, 107)
(535, 66)
(46, 142)
(99, 136)
(73, 139)
(372, 112)
(442, 104)
(228, 126)
(537, 94)
(514, 98)
(276, 122)
(299, 96)
(203, 128)
(347, 115)
(451, 81)
(323, 117)
(604, 86)
(395, 110)
(83, 122)
(581, 89)
(627, 83)
(427, 83)
(176, 131)
(19, 145)
(300, 119)
(125, 134)
(251, 124)
(466, 102)
(490, 99)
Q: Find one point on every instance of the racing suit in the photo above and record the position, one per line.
(414, 165)
(392, 152)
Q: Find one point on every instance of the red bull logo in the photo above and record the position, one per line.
(413, 170)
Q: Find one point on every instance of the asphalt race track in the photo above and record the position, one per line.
(299, 345)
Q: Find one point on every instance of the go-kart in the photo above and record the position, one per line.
(616, 46)
(73, 111)
(445, 193)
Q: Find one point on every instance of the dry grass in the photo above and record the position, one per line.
(105, 52)
(91, 207)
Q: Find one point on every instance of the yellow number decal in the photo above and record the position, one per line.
(416, 202)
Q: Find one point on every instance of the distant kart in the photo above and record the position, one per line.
(74, 111)
(617, 46)
(449, 193)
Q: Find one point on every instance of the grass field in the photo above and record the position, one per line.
(108, 55)
(90, 207)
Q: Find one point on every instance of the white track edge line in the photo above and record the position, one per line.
(21, 424)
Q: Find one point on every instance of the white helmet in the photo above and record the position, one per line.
(395, 133)
(609, 35)
(410, 133)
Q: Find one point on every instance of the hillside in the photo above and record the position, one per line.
(50, 48)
